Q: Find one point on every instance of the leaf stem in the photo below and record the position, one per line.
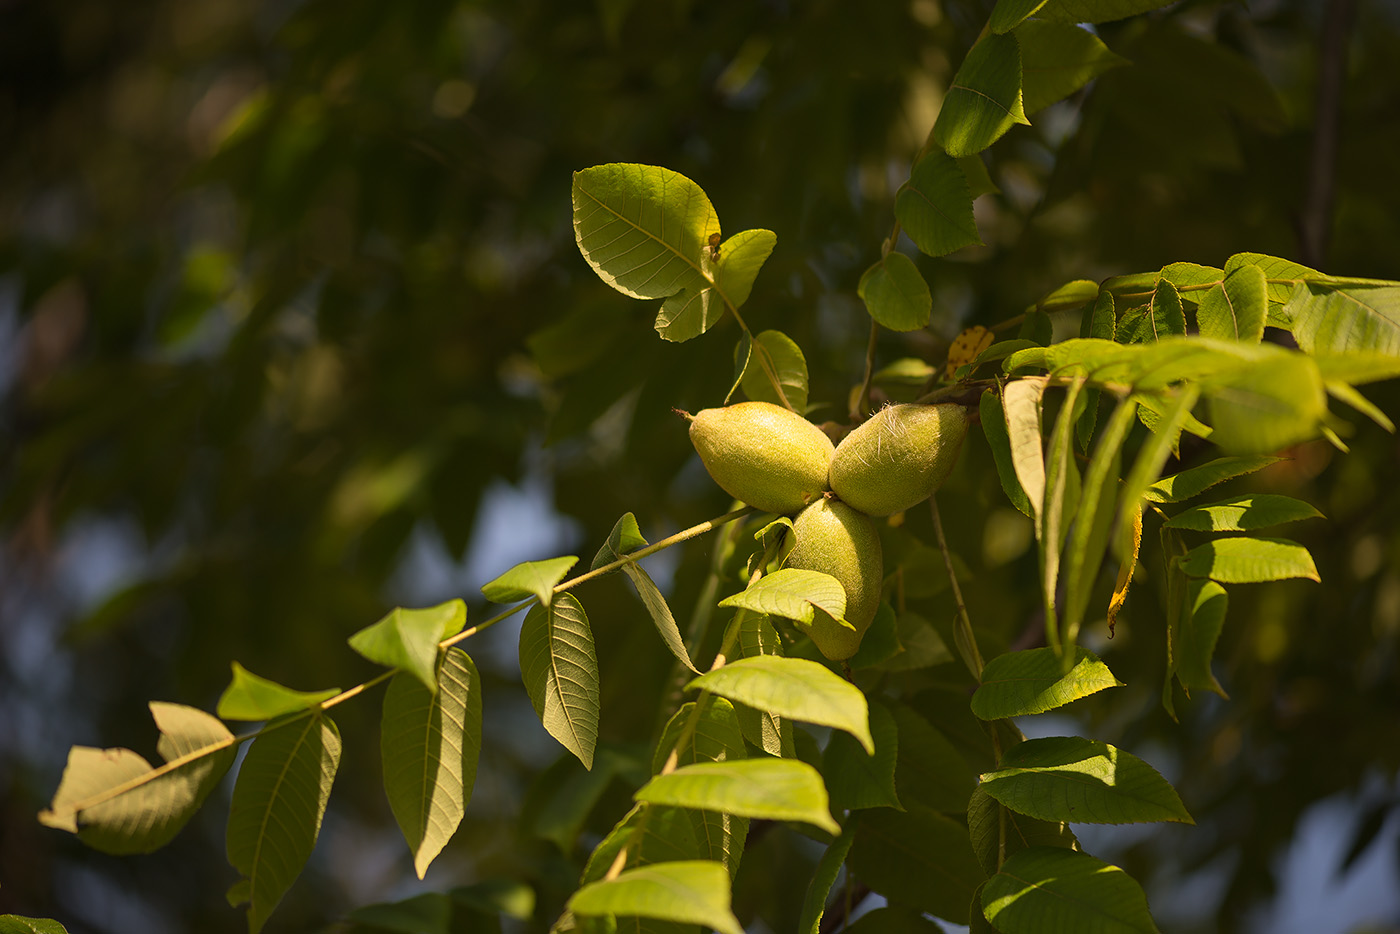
(964, 637)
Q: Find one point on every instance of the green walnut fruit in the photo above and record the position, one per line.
(763, 454)
(899, 457)
(835, 539)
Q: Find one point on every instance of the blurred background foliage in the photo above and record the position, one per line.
(293, 328)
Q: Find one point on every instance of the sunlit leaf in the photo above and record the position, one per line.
(1267, 407)
(529, 579)
(645, 230)
(1281, 276)
(1244, 514)
(1162, 317)
(1196, 480)
(1021, 401)
(1061, 497)
(1034, 680)
(856, 779)
(994, 427)
(1236, 308)
(740, 259)
(560, 669)
(916, 857)
(997, 832)
(1058, 59)
(1355, 320)
(108, 800)
(769, 789)
(660, 613)
(796, 688)
(429, 745)
(776, 358)
(896, 294)
(793, 593)
(715, 736)
(1054, 889)
(935, 206)
(408, 639)
(624, 538)
(1242, 560)
(763, 728)
(693, 891)
(1069, 778)
(275, 816)
(18, 924)
(984, 100)
(249, 697)
(651, 834)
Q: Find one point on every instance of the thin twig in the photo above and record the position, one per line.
(967, 641)
(863, 406)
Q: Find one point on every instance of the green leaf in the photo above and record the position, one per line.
(105, 799)
(1037, 328)
(1163, 317)
(651, 834)
(1069, 778)
(408, 639)
(624, 538)
(1058, 59)
(1188, 483)
(1198, 634)
(935, 206)
(984, 100)
(740, 259)
(1099, 322)
(1191, 278)
(278, 802)
(560, 800)
(828, 868)
(1034, 680)
(1070, 295)
(529, 579)
(1263, 408)
(1243, 514)
(1359, 402)
(1021, 401)
(1243, 560)
(931, 771)
(1094, 524)
(896, 294)
(1061, 497)
(249, 697)
(763, 728)
(429, 743)
(856, 779)
(18, 924)
(1008, 14)
(1285, 274)
(1236, 308)
(921, 645)
(775, 357)
(688, 891)
(768, 789)
(1151, 456)
(715, 737)
(1356, 368)
(1096, 11)
(993, 420)
(986, 818)
(793, 593)
(1338, 321)
(1052, 889)
(646, 232)
(795, 688)
(560, 669)
(918, 858)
